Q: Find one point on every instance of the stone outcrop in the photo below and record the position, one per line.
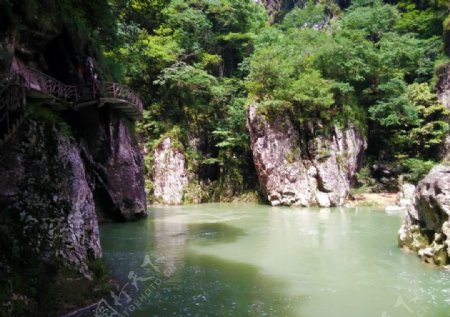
(443, 85)
(115, 163)
(169, 177)
(58, 182)
(44, 186)
(426, 227)
(63, 170)
(443, 91)
(124, 172)
(296, 167)
(405, 197)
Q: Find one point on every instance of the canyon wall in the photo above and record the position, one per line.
(299, 167)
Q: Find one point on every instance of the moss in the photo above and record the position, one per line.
(176, 136)
(71, 291)
(98, 268)
(198, 192)
(293, 155)
(50, 290)
(359, 190)
(43, 114)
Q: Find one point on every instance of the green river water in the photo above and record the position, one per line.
(256, 260)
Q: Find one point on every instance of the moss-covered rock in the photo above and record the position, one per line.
(426, 227)
(48, 224)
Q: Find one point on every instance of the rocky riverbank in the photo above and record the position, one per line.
(426, 227)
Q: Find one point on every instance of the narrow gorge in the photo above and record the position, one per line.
(224, 158)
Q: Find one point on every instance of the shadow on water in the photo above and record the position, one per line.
(212, 233)
(200, 285)
(210, 286)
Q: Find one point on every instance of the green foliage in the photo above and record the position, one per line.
(365, 67)
(412, 120)
(195, 62)
(373, 18)
(423, 18)
(394, 108)
(188, 67)
(446, 25)
(44, 114)
(50, 16)
(308, 17)
(417, 168)
(432, 126)
(364, 180)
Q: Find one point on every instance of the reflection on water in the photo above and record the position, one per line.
(253, 260)
(169, 235)
(212, 233)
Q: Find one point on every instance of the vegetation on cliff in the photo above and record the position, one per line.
(372, 64)
(367, 62)
(196, 62)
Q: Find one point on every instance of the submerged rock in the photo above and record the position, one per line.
(295, 168)
(426, 227)
(168, 173)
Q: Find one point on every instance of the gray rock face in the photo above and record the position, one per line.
(115, 163)
(295, 169)
(45, 186)
(168, 173)
(82, 223)
(426, 227)
(125, 172)
(443, 91)
(405, 196)
(443, 85)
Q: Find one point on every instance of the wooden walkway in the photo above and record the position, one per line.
(26, 82)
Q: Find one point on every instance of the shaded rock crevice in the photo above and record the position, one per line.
(117, 165)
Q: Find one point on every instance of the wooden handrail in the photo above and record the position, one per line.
(15, 84)
(38, 81)
(118, 91)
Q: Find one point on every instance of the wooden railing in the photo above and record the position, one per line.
(40, 82)
(14, 87)
(121, 92)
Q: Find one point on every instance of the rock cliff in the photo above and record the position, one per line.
(53, 192)
(443, 91)
(426, 227)
(296, 167)
(63, 170)
(443, 85)
(44, 187)
(115, 161)
(168, 173)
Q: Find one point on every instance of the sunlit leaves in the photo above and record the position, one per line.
(374, 19)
